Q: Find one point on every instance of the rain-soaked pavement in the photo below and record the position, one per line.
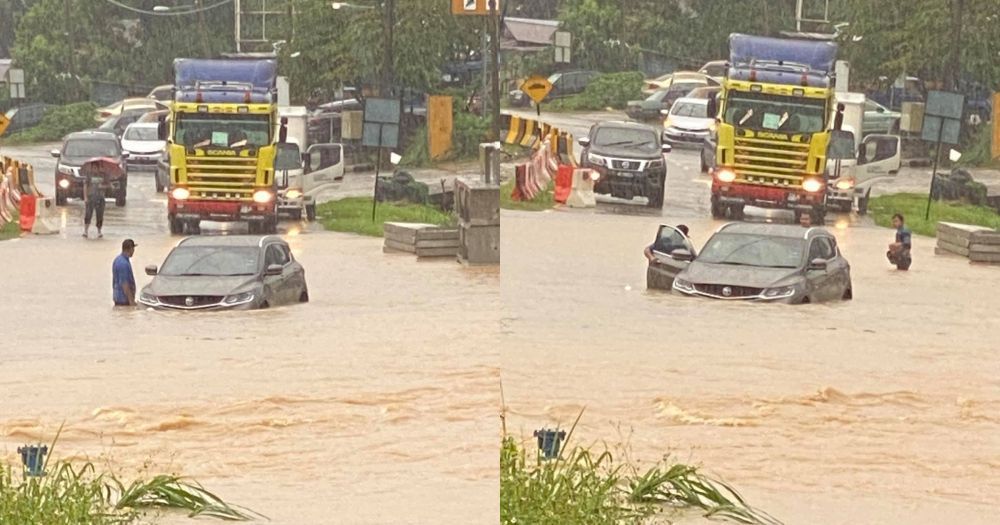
(369, 404)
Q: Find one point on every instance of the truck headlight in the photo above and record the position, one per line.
(845, 184)
(683, 286)
(239, 298)
(180, 194)
(293, 194)
(725, 175)
(263, 196)
(779, 293)
(812, 185)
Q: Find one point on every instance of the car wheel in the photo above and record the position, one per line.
(848, 294)
(311, 213)
(304, 296)
(176, 225)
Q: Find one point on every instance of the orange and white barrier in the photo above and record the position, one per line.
(46, 216)
(581, 194)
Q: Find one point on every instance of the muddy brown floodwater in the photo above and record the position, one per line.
(881, 410)
(376, 402)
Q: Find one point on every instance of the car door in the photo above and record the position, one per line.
(839, 270)
(291, 284)
(276, 284)
(324, 164)
(817, 280)
(664, 267)
(879, 156)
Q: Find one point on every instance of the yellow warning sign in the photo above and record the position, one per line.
(537, 88)
(4, 122)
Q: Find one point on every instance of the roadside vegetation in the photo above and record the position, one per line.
(354, 215)
(542, 201)
(977, 153)
(56, 123)
(913, 207)
(12, 229)
(613, 91)
(585, 485)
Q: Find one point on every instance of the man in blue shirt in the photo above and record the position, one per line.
(899, 251)
(122, 280)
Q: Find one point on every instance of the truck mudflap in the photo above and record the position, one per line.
(766, 196)
(220, 210)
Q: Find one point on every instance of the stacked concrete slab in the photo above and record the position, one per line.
(422, 240)
(477, 205)
(979, 244)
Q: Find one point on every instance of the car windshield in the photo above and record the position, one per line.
(637, 138)
(222, 130)
(91, 148)
(288, 157)
(144, 133)
(753, 250)
(759, 111)
(688, 109)
(217, 261)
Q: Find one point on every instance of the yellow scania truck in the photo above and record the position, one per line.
(774, 120)
(221, 137)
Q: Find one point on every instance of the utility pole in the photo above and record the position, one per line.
(494, 17)
(389, 22)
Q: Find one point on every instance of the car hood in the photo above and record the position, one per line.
(625, 153)
(75, 162)
(724, 274)
(143, 146)
(197, 285)
(696, 123)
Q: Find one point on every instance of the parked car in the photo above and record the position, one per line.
(705, 92)
(225, 272)
(628, 158)
(680, 84)
(715, 69)
(124, 105)
(649, 109)
(144, 147)
(564, 84)
(153, 116)
(687, 123)
(761, 262)
(880, 119)
(118, 123)
(164, 93)
(78, 148)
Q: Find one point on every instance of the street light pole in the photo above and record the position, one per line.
(495, 67)
(389, 21)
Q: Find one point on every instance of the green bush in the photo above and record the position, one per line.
(978, 151)
(468, 131)
(58, 122)
(613, 90)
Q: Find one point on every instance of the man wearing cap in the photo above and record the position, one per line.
(122, 280)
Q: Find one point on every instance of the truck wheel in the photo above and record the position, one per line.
(863, 203)
(718, 211)
(194, 227)
(311, 213)
(253, 228)
(818, 216)
(176, 226)
(736, 212)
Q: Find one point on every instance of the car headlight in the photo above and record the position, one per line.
(779, 293)
(726, 175)
(597, 160)
(148, 298)
(263, 196)
(65, 170)
(64, 183)
(812, 185)
(667, 123)
(655, 164)
(180, 193)
(293, 194)
(683, 286)
(239, 298)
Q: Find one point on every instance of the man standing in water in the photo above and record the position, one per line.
(122, 280)
(899, 251)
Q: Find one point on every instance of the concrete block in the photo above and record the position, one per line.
(479, 244)
(437, 234)
(437, 252)
(400, 246)
(953, 248)
(477, 203)
(984, 248)
(964, 231)
(992, 258)
(943, 252)
(951, 238)
(985, 237)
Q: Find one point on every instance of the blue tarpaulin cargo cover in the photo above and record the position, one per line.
(818, 56)
(260, 75)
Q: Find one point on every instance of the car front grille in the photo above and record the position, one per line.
(196, 300)
(632, 165)
(735, 292)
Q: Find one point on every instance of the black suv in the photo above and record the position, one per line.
(80, 147)
(629, 158)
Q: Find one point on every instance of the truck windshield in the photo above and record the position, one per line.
(288, 157)
(202, 130)
(759, 111)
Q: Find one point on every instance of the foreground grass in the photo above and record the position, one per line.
(12, 229)
(543, 201)
(583, 486)
(354, 215)
(913, 207)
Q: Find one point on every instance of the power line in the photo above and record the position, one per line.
(171, 12)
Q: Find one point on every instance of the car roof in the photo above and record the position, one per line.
(91, 134)
(691, 100)
(230, 240)
(788, 231)
(153, 125)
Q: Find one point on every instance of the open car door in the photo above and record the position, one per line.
(324, 163)
(667, 262)
(878, 157)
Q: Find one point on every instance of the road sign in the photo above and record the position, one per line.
(948, 129)
(562, 43)
(4, 122)
(473, 7)
(537, 87)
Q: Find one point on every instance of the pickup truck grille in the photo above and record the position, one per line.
(221, 178)
(770, 162)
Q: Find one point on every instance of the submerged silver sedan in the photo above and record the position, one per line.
(762, 262)
(226, 272)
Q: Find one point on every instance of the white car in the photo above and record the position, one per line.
(687, 122)
(143, 145)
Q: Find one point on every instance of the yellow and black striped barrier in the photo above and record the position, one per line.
(532, 133)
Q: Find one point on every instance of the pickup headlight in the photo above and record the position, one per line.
(779, 293)
(683, 286)
(239, 298)
(597, 160)
(64, 170)
(655, 164)
(146, 298)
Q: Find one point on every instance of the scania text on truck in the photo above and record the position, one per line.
(221, 134)
(774, 116)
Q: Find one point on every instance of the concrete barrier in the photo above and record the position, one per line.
(422, 240)
(477, 206)
(581, 193)
(977, 243)
(46, 216)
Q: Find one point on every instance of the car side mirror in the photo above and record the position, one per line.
(151, 269)
(125, 154)
(584, 141)
(666, 148)
(681, 254)
(274, 269)
(54, 153)
(817, 265)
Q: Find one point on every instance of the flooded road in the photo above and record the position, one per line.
(882, 410)
(367, 405)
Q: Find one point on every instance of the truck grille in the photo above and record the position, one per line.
(770, 162)
(735, 292)
(221, 178)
